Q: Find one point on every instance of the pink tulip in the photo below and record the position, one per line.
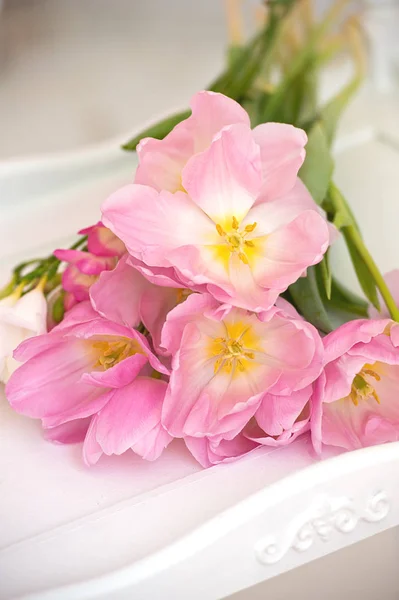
(242, 227)
(84, 268)
(91, 367)
(226, 360)
(355, 400)
(102, 242)
(125, 296)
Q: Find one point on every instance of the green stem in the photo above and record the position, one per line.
(8, 289)
(300, 62)
(352, 234)
(357, 241)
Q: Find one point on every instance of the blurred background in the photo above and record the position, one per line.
(74, 73)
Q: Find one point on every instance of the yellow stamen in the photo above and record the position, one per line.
(235, 240)
(372, 374)
(362, 389)
(375, 396)
(250, 228)
(220, 229)
(113, 352)
(231, 354)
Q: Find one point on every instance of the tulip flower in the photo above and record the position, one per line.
(355, 401)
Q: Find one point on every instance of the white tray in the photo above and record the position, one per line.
(130, 529)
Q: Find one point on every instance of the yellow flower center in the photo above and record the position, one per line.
(231, 354)
(362, 389)
(111, 352)
(236, 238)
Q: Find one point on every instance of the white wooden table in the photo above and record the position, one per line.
(130, 529)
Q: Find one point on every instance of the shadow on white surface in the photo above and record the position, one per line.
(367, 570)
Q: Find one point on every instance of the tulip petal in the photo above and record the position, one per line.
(150, 233)
(72, 432)
(282, 154)
(131, 419)
(211, 112)
(283, 255)
(161, 161)
(225, 179)
(208, 451)
(117, 294)
(47, 386)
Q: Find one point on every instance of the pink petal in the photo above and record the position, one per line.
(225, 179)
(117, 294)
(273, 213)
(161, 161)
(150, 233)
(208, 451)
(72, 432)
(77, 283)
(188, 311)
(102, 242)
(92, 450)
(288, 251)
(47, 386)
(161, 276)
(242, 289)
(316, 412)
(278, 414)
(85, 262)
(345, 337)
(118, 376)
(156, 303)
(282, 154)
(211, 113)
(131, 419)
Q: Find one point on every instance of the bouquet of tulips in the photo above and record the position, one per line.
(202, 306)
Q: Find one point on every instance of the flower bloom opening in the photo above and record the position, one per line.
(231, 355)
(236, 239)
(362, 389)
(112, 352)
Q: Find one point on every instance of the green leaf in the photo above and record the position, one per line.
(306, 296)
(325, 274)
(158, 131)
(364, 276)
(58, 309)
(234, 54)
(317, 169)
(346, 300)
(332, 111)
